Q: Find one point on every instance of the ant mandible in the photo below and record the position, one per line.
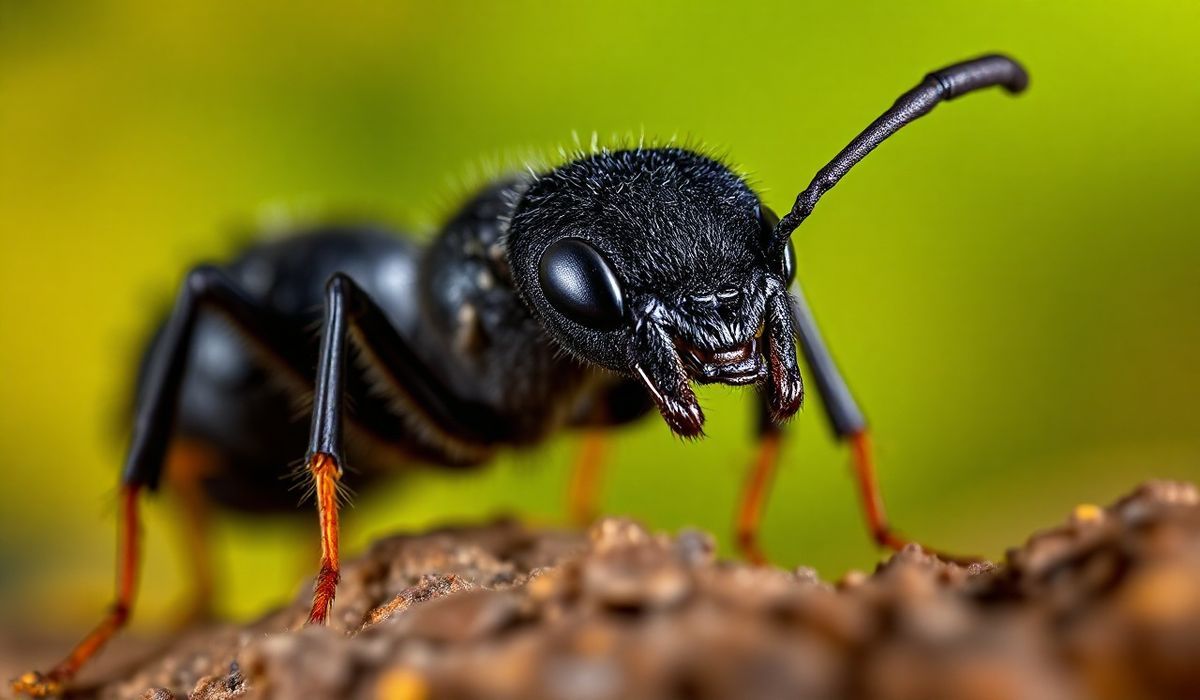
(580, 297)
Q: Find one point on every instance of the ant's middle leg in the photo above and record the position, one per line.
(458, 427)
(288, 347)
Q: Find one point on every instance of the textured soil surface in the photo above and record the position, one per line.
(1106, 605)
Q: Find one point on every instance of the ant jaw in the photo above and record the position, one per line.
(737, 366)
(679, 409)
(667, 364)
(657, 365)
(786, 394)
(785, 384)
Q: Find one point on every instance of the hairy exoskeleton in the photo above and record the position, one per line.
(659, 264)
(581, 297)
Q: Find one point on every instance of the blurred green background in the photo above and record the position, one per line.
(1011, 284)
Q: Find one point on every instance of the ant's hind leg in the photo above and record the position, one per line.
(463, 429)
(52, 683)
(143, 468)
(153, 426)
(849, 425)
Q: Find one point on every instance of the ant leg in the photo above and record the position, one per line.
(189, 461)
(145, 460)
(325, 458)
(326, 472)
(462, 428)
(622, 403)
(759, 477)
(849, 425)
(583, 494)
(52, 683)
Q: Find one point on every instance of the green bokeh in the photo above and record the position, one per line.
(1011, 284)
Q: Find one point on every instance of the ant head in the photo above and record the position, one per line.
(659, 263)
(662, 263)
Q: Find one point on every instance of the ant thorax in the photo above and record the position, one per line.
(489, 344)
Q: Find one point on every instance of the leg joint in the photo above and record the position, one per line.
(201, 279)
(119, 612)
(323, 464)
(339, 285)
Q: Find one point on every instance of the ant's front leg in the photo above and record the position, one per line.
(849, 426)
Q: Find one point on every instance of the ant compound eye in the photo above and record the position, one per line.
(768, 220)
(788, 269)
(579, 283)
(787, 266)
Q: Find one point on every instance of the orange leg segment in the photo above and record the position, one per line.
(758, 485)
(754, 494)
(868, 491)
(52, 683)
(326, 474)
(872, 502)
(189, 463)
(196, 525)
(583, 495)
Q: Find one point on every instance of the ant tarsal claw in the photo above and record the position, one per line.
(37, 685)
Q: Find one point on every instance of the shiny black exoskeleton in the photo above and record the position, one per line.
(508, 326)
(584, 295)
(660, 265)
(478, 355)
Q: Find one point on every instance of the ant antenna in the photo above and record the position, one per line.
(945, 84)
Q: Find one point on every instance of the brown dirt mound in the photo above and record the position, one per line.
(1105, 606)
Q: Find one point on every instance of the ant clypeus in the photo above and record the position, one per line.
(579, 297)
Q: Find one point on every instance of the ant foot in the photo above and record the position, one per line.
(37, 685)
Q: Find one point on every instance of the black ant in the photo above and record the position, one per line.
(580, 297)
